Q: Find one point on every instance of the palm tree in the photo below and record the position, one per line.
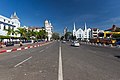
(9, 32)
(42, 34)
(22, 32)
(29, 34)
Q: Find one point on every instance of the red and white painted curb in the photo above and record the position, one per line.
(24, 48)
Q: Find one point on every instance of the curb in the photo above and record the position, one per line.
(24, 48)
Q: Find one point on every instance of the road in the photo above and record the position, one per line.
(60, 61)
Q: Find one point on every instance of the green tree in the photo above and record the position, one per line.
(55, 36)
(68, 35)
(42, 34)
(22, 32)
(116, 35)
(62, 37)
(10, 31)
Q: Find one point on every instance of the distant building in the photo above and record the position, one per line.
(96, 33)
(36, 28)
(82, 34)
(9, 23)
(109, 32)
(48, 27)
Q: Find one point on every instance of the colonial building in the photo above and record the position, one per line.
(82, 34)
(48, 27)
(96, 33)
(36, 28)
(9, 23)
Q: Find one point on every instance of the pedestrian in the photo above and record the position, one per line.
(21, 43)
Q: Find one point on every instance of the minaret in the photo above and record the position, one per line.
(74, 30)
(74, 26)
(85, 27)
(85, 32)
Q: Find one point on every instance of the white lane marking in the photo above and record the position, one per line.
(23, 61)
(42, 50)
(60, 71)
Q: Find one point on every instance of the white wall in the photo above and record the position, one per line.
(8, 21)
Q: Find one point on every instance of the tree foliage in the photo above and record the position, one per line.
(68, 35)
(116, 35)
(22, 32)
(55, 36)
(28, 34)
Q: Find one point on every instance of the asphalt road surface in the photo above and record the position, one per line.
(60, 61)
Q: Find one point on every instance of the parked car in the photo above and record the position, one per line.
(9, 44)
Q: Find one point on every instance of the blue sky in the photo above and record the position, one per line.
(63, 13)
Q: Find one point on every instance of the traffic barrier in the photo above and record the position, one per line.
(26, 48)
(100, 44)
(104, 44)
(111, 45)
(3, 51)
(23, 48)
(19, 49)
(9, 50)
(118, 46)
(15, 49)
(31, 46)
(96, 44)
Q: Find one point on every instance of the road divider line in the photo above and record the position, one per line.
(60, 70)
(23, 61)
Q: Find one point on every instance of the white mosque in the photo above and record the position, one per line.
(48, 27)
(82, 34)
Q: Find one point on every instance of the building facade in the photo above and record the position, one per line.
(9, 23)
(82, 34)
(96, 33)
(48, 28)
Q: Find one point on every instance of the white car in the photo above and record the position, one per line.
(76, 44)
(63, 41)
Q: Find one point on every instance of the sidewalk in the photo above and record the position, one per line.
(17, 47)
